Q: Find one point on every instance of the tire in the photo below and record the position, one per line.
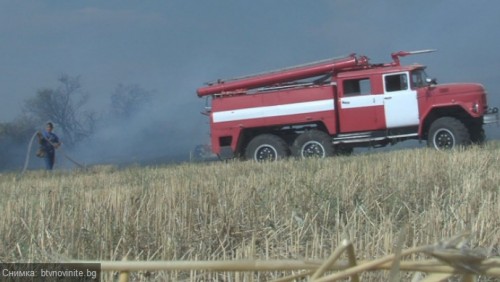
(448, 133)
(477, 135)
(266, 147)
(313, 143)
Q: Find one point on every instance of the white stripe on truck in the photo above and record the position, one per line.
(274, 111)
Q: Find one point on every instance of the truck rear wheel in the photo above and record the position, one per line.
(447, 133)
(313, 143)
(266, 147)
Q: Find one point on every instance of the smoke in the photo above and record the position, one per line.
(165, 131)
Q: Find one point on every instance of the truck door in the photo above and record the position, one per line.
(400, 101)
(359, 109)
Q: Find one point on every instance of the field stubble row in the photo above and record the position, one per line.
(244, 210)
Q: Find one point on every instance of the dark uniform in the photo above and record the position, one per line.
(48, 144)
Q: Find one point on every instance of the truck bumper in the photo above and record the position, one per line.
(491, 116)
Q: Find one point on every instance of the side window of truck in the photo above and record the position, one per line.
(355, 87)
(396, 82)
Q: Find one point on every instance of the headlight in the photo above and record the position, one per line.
(475, 107)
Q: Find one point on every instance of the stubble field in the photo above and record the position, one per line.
(244, 210)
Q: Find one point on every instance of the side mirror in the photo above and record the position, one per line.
(431, 81)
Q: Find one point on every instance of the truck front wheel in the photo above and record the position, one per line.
(448, 133)
(313, 143)
(477, 135)
(266, 147)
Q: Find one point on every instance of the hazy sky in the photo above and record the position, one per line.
(173, 47)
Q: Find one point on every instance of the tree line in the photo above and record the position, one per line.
(67, 107)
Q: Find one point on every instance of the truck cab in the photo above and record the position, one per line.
(375, 99)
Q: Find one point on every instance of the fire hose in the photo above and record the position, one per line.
(28, 153)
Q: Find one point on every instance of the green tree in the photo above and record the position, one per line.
(65, 107)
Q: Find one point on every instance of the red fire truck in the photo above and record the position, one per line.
(332, 106)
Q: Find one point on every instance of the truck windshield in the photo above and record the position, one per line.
(418, 78)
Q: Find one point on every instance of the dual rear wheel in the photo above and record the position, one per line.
(313, 143)
(266, 147)
(270, 147)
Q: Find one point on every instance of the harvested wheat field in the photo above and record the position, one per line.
(288, 211)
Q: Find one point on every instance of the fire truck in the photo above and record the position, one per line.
(329, 107)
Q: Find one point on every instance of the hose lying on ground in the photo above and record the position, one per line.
(71, 160)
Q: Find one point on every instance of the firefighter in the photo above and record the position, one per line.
(49, 142)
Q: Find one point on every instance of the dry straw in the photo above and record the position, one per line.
(223, 221)
(452, 258)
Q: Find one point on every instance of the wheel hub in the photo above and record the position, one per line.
(313, 149)
(444, 139)
(265, 153)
